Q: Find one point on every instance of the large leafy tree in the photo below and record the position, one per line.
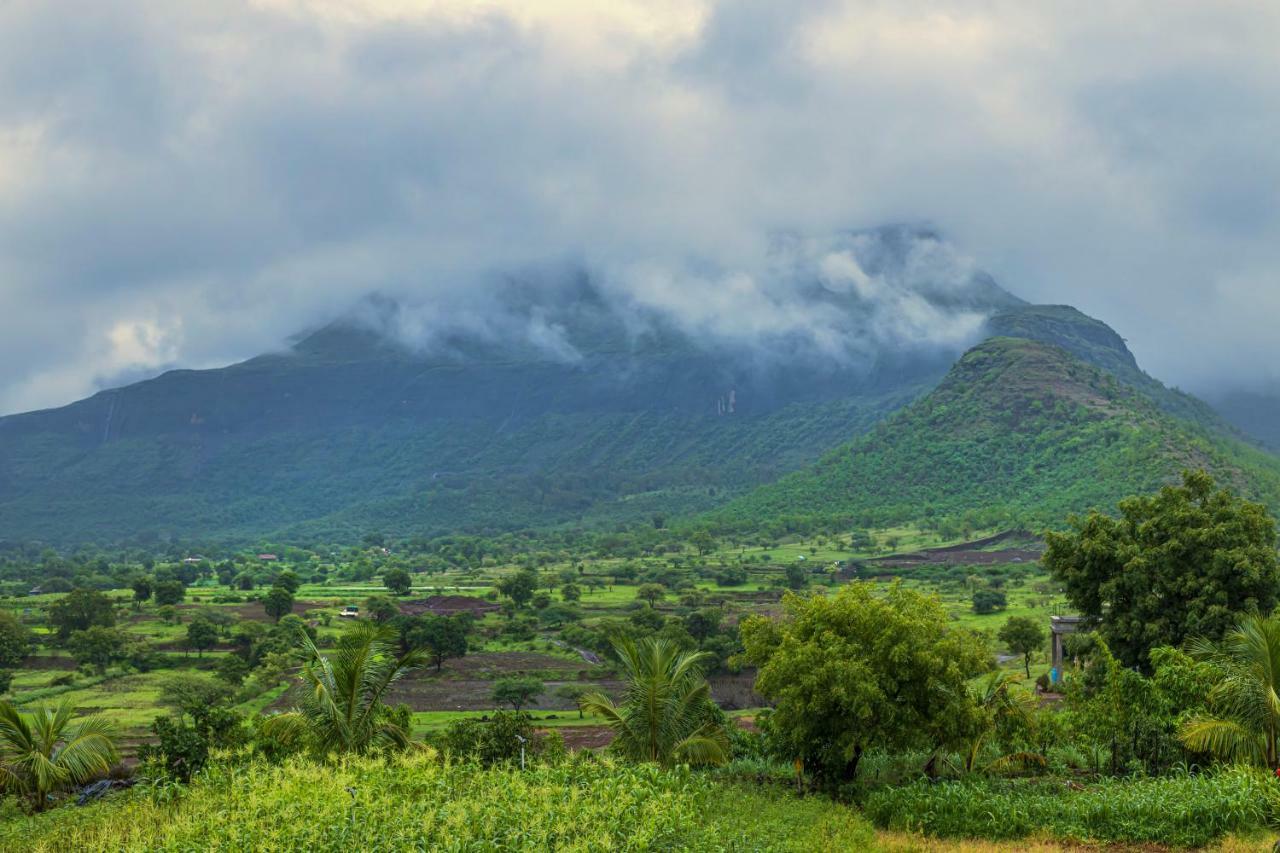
(859, 670)
(341, 704)
(81, 609)
(15, 641)
(517, 691)
(666, 715)
(46, 751)
(441, 637)
(97, 646)
(1185, 562)
(1243, 723)
(278, 602)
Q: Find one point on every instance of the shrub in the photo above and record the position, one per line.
(416, 802)
(1186, 810)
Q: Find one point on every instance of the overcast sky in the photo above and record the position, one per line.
(190, 183)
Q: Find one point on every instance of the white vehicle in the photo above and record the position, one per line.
(349, 612)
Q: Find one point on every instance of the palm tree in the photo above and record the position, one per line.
(341, 700)
(1002, 703)
(666, 714)
(1246, 697)
(44, 752)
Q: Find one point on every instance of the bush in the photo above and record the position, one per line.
(416, 802)
(1184, 811)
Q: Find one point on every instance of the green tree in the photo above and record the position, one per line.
(97, 646)
(702, 540)
(666, 713)
(989, 601)
(15, 641)
(1003, 705)
(571, 592)
(519, 587)
(441, 637)
(244, 582)
(81, 609)
(288, 579)
(1185, 562)
(398, 581)
(573, 693)
(858, 670)
(277, 602)
(44, 751)
(201, 635)
(517, 691)
(379, 608)
(797, 576)
(1244, 719)
(142, 589)
(652, 593)
(1024, 636)
(340, 706)
(170, 592)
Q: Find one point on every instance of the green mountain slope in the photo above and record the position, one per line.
(1019, 432)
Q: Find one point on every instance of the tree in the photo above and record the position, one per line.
(519, 587)
(244, 581)
(652, 593)
(142, 589)
(278, 602)
(517, 692)
(1003, 705)
(989, 601)
(98, 647)
(1244, 723)
(81, 609)
(1185, 562)
(571, 592)
(379, 608)
(288, 579)
(573, 693)
(398, 581)
(797, 576)
(44, 752)
(702, 541)
(666, 713)
(441, 637)
(170, 592)
(15, 641)
(858, 670)
(341, 708)
(201, 635)
(188, 692)
(1023, 636)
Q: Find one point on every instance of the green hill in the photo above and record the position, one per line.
(1019, 432)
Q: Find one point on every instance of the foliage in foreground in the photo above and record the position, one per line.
(44, 751)
(1180, 810)
(416, 802)
(1244, 723)
(666, 714)
(341, 705)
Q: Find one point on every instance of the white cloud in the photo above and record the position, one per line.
(240, 171)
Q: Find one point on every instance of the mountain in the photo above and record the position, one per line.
(553, 401)
(550, 399)
(1255, 413)
(1020, 432)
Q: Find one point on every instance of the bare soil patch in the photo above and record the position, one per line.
(448, 605)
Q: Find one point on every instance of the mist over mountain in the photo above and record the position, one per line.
(543, 397)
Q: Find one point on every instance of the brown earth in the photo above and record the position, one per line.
(448, 605)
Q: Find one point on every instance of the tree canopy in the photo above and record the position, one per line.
(858, 670)
(1184, 562)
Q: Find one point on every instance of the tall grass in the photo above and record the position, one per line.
(419, 803)
(1184, 810)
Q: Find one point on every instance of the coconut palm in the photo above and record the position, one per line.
(1003, 704)
(1246, 697)
(340, 702)
(666, 714)
(44, 751)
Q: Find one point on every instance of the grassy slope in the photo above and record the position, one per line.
(1020, 429)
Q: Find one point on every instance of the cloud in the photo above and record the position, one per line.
(193, 183)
